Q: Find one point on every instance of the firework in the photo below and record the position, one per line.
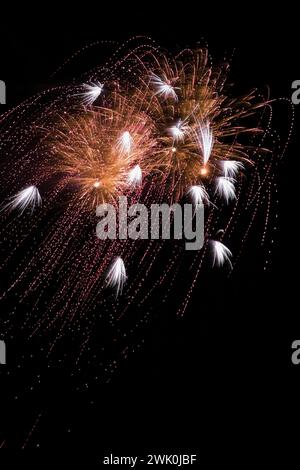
(152, 127)
(125, 143)
(198, 194)
(231, 168)
(116, 275)
(24, 199)
(178, 131)
(225, 188)
(156, 128)
(163, 87)
(135, 176)
(91, 93)
(205, 138)
(197, 126)
(221, 254)
(99, 149)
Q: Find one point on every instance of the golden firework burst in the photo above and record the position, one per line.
(197, 125)
(101, 149)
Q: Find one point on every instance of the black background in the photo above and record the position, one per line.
(200, 382)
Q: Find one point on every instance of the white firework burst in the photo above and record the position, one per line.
(206, 141)
(163, 87)
(124, 143)
(135, 176)
(198, 194)
(178, 131)
(221, 254)
(231, 168)
(225, 188)
(26, 198)
(116, 275)
(93, 91)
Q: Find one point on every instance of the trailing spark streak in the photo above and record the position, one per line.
(164, 88)
(178, 131)
(125, 142)
(225, 188)
(205, 137)
(116, 275)
(221, 254)
(198, 194)
(231, 168)
(135, 176)
(93, 91)
(26, 198)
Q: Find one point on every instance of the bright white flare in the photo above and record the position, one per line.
(116, 275)
(97, 184)
(206, 140)
(199, 194)
(231, 168)
(92, 92)
(28, 197)
(225, 188)
(135, 176)
(125, 142)
(222, 254)
(163, 87)
(178, 131)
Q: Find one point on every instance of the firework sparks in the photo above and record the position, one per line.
(198, 194)
(205, 137)
(178, 131)
(163, 87)
(97, 156)
(116, 275)
(205, 129)
(225, 188)
(24, 199)
(172, 128)
(231, 168)
(125, 142)
(135, 176)
(221, 254)
(92, 92)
